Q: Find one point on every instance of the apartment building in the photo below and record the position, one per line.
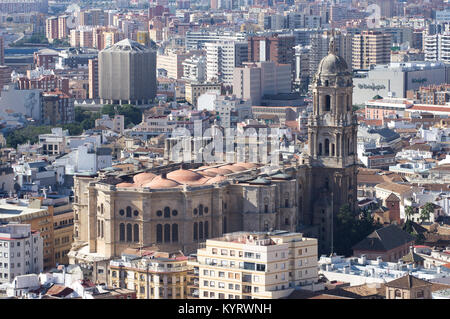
(254, 80)
(194, 69)
(221, 59)
(194, 90)
(40, 219)
(20, 251)
(437, 47)
(371, 48)
(151, 274)
(253, 265)
(172, 62)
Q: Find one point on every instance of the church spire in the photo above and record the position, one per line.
(332, 44)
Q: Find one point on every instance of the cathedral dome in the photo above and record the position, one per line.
(161, 182)
(185, 176)
(332, 64)
(143, 178)
(125, 185)
(217, 179)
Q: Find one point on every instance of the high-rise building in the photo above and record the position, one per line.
(2, 51)
(332, 155)
(371, 48)
(93, 78)
(222, 58)
(51, 29)
(251, 265)
(277, 48)
(127, 73)
(5, 75)
(254, 80)
(63, 30)
(21, 251)
(194, 69)
(172, 63)
(437, 47)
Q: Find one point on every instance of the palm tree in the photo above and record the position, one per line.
(409, 211)
(427, 210)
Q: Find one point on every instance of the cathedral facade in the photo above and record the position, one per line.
(177, 209)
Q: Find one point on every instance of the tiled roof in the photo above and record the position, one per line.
(408, 282)
(384, 239)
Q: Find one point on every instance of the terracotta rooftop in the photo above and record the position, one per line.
(408, 282)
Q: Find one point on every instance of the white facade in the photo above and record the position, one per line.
(437, 47)
(222, 58)
(194, 69)
(21, 251)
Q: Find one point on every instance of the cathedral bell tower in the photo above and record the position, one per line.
(332, 147)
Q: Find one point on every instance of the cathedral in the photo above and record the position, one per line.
(177, 207)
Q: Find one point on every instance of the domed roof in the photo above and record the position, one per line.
(332, 64)
(247, 165)
(184, 176)
(233, 168)
(217, 179)
(219, 171)
(160, 182)
(208, 173)
(143, 178)
(125, 185)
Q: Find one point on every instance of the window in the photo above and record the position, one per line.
(136, 232)
(205, 272)
(206, 229)
(167, 233)
(205, 283)
(195, 211)
(221, 285)
(221, 274)
(195, 231)
(327, 106)
(122, 212)
(200, 230)
(166, 212)
(128, 211)
(175, 233)
(129, 233)
(223, 252)
(174, 212)
(136, 213)
(200, 210)
(122, 231)
(159, 213)
(159, 233)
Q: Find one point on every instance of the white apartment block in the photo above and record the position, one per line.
(249, 265)
(194, 69)
(21, 251)
(437, 47)
(222, 58)
(116, 124)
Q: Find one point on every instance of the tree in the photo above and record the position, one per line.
(426, 211)
(351, 229)
(409, 211)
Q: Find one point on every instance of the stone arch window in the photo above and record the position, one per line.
(200, 230)
(174, 212)
(121, 212)
(128, 211)
(159, 231)
(159, 213)
(129, 233)
(76, 232)
(136, 232)
(200, 210)
(320, 149)
(136, 213)
(206, 229)
(101, 209)
(327, 147)
(326, 83)
(195, 211)
(166, 212)
(224, 225)
(398, 293)
(122, 232)
(102, 225)
(167, 233)
(286, 199)
(195, 231)
(327, 105)
(206, 210)
(175, 233)
(333, 151)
